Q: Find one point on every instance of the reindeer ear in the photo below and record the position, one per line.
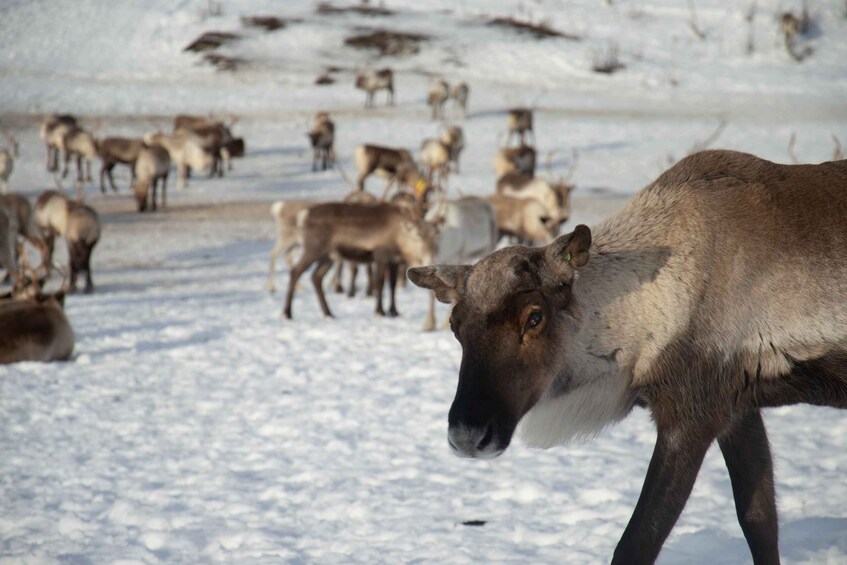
(444, 280)
(572, 248)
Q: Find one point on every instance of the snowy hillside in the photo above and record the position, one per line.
(194, 425)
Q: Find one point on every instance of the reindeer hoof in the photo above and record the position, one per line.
(393, 313)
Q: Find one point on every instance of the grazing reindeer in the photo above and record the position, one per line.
(322, 138)
(520, 124)
(437, 97)
(19, 211)
(519, 160)
(454, 138)
(186, 153)
(435, 158)
(55, 214)
(525, 219)
(370, 81)
(80, 145)
(393, 164)
(459, 94)
(114, 150)
(677, 303)
(467, 231)
(381, 233)
(33, 327)
(153, 165)
(214, 137)
(52, 131)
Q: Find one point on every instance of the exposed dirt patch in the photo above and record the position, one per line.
(388, 42)
(267, 23)
(328, 9)
(211, 40)
(223, 62)
(537, 30)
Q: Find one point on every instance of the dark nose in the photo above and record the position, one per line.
(473, 441)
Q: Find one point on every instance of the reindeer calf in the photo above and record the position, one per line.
(370, 81)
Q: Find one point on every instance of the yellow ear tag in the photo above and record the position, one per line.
(567, 256)
(420, 186)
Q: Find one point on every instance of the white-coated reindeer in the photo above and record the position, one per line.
(185, 151)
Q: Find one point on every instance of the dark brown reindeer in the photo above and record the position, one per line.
(382, 233)
(716, 292)
(322, 138)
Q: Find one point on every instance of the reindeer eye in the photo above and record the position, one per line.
(534, 319)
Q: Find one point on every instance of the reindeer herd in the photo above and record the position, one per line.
(414, 222)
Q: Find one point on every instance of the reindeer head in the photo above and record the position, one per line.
(511, 315)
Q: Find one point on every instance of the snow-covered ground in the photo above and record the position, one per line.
(194, 425)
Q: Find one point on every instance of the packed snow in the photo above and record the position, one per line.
(194, 425)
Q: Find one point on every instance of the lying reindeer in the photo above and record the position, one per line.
(33, 327)
(55, 214)
(322, 138)
(716, 292)
(370, 81)
(381, 233)
(115, 150)
(520, 160)
(437, 97)
(151, 167)
(52, 131)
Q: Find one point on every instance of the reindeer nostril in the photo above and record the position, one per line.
(486, 439)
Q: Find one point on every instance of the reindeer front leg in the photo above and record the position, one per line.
(677, 457)
(748, 458)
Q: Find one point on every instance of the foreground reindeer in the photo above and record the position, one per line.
(437, 97)
(381, 233)
(520, 124)
(33, 327)
(322, 138)
(153, 165)
(55, 214)
(716, 292)
(370, 81)
(52, 131)
(115, 150)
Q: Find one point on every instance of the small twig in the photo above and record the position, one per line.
(693, 21)
(704, 144)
